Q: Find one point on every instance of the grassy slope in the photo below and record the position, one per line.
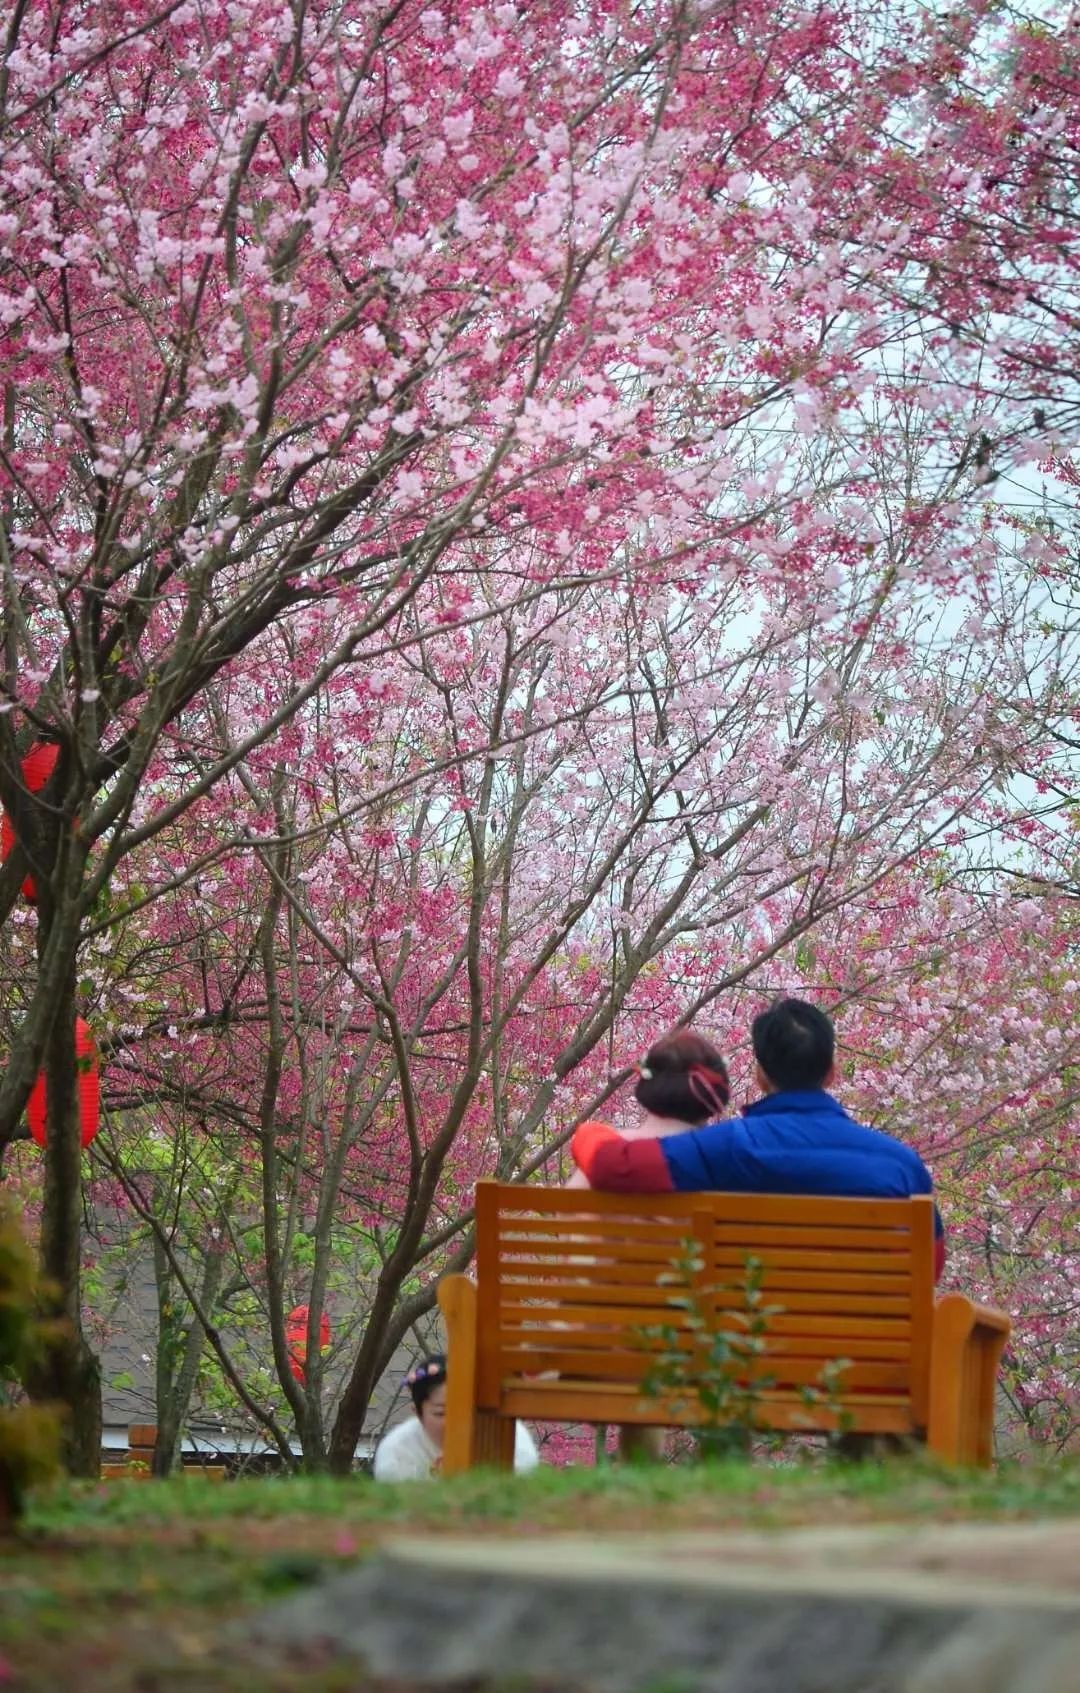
(130, 1588)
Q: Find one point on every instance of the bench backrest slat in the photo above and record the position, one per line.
(568, 1289)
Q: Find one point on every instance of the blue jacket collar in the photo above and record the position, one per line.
(815, 1100)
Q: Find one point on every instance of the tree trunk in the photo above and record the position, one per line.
(389, 1321)
(166, 1443)
(180, 1351)
(353, 1405)
(67, 1373)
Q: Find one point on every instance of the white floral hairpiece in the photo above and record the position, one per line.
(644, 1072)
(422, 1372)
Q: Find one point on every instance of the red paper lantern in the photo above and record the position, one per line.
(86, 1060)
(37, 767)
(296, 1326)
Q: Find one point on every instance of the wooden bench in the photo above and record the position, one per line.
(553, 1326)
(135, 1464)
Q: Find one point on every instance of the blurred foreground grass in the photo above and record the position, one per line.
(131, 1587)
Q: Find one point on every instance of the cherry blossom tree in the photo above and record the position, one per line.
(416, 954)
(329, 327)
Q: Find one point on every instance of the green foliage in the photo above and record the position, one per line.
(710, 1367)
(19, 1325)
(805, 955)
(826, 1394)
(29, 1434)
(303, 1251)
(717, 1368)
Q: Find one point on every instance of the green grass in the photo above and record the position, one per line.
(733, 1492)
(132, 1587)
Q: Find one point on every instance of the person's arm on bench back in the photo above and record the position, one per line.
(620, 1166)
(692, 1163)
(703, 1159)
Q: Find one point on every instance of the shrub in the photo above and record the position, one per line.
(29, 1434)
(712, 1368)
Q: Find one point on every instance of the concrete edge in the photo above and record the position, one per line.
(553, 1561)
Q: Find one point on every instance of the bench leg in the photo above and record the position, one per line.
(639, 1443)
(473, 1436)
(492, 1439)
(862, 1448)
(967, 1345)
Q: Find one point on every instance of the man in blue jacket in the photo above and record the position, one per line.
(796, 1139)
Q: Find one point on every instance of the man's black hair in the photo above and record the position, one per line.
(794, 1044)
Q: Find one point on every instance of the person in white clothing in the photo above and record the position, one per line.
(413, 1450)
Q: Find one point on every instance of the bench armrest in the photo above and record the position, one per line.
(457, 1302)
(989, 1317)
(965, 1350)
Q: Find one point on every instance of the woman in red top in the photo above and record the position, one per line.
(682, 1083)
